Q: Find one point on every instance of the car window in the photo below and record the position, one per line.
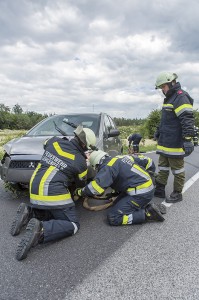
(47, 127)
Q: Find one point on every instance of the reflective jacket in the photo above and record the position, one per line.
(122, 175)
(62, 163)
(177, 122)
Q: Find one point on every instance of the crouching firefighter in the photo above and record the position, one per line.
(51, 214)
(133, 183)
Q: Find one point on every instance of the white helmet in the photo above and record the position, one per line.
(86, 136)
(165, 77)
(95, 157)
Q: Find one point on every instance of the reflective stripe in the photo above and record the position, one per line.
(149, 164)
(112, 161)
(51, 198)
(63, 153)
(166, 169)
(134, 203)
(171, 151)
(141, 189)
(125, 220)
(46, 178)
(83, 174)
(95, 188)
(75, 227)
(177, 171)
(50, 203)
(182, 108)
(33, 175)
(167, 105)
(136, 169)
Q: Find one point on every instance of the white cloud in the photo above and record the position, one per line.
(103, 56)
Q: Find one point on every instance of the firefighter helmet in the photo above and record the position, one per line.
(165, 77)
(86, 136)
(95, 157)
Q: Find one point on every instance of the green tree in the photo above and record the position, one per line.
(152, 122)
(17, 109)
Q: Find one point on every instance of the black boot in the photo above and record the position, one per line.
(159, 190)
(153, 213)
(33, 236)
(174, 197)
(21, 219)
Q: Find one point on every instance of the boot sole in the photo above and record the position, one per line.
(20, 220)
(29, 240)
(173, 201)
(158, 213)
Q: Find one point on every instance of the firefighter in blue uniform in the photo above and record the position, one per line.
(174, 135)
(134, 139)
(62, 164)
(131, 181)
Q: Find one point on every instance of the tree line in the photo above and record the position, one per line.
(16, 119)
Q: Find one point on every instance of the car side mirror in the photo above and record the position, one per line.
(113, 133)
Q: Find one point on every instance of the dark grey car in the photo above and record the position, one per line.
(23, 154)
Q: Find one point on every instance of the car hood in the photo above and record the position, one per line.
(30, 145)
(26, 145)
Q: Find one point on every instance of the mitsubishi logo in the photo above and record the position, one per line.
(31, 165)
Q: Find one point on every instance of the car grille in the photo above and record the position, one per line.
(17, 164)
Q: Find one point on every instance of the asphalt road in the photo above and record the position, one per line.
(148, 261)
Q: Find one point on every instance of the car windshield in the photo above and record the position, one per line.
(48, 126)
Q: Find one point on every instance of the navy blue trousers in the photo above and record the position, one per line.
(57, 223)
(129, 209)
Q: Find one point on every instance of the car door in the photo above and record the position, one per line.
(111, 140)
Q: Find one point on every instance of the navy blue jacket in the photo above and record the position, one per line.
(62, 163)
(122, 174)
(177, 122)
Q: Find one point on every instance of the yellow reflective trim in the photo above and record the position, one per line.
(125, 220)
(141, 186)
(97, 187)
(167, 105)
(51, 198)
(83, 174)
(148, 164)
(44, 178)
(182, 107)
(135, 203)
(63, 153)
(112, 161)
(170, 149)
(33, 175)
(140, 169)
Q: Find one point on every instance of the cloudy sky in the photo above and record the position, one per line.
(59, 56)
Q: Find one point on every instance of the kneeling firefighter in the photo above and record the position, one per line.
(52, 214)
(131, 181)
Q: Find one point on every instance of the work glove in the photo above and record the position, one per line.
(78, 192)
(188, 146)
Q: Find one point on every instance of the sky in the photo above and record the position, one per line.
(64, 56)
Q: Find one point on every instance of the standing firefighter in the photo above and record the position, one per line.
(174, 135)
(62, 164)
(131, 181)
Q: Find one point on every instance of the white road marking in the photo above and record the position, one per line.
(187, 185)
